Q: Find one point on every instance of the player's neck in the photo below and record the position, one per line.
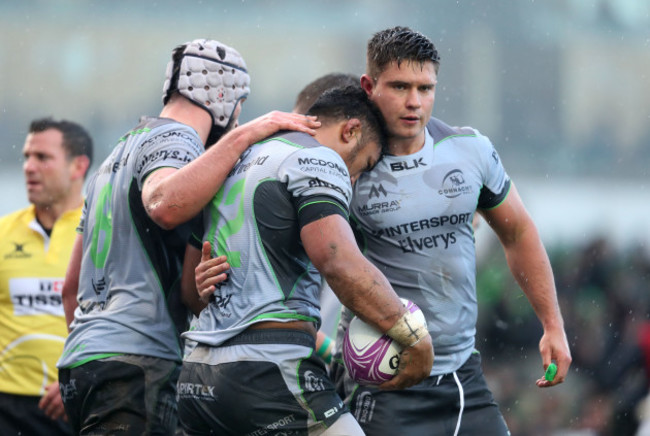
(182, 110)
(405, 146)
(49, 214)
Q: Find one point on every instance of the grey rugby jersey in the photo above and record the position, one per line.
(277, 187)
(415, 215)
(129, 264)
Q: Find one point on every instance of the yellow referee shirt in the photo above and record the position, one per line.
(32, 322)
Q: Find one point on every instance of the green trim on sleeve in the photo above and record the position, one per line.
(345, 212)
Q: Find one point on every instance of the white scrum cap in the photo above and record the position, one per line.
(211, 75)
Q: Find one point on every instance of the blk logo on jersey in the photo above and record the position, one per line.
(454, 184)
(18, 252)
(406, 165)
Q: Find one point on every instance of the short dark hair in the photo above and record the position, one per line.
(345, 103)
(177, 56)
(398, 44)
(76, 140)
(315, 88)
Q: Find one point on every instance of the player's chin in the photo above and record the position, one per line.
(406, 133)
(37, 199)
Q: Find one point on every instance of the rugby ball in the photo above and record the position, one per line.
(370, 357)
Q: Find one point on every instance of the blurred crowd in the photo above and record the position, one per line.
(603, 294)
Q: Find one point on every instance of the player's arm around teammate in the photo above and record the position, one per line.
(173, 196)
(529, 264)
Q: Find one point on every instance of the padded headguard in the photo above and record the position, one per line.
(211, 75)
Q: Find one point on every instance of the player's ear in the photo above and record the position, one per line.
(80, 166)
(351, 130)
(367, 84)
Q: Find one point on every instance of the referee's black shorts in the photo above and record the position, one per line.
(20, 415)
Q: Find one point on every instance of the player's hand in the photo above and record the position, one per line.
(272, 122)
(554, 347)
(414, 365)
(51, 402)
(210, 272)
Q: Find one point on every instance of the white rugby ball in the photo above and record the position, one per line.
(371, 357)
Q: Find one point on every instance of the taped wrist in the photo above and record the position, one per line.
(325, 350)
(408, 330)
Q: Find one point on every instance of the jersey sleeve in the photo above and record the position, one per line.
(174, 147)
(319, 183)
(496, 182)
(82, 221)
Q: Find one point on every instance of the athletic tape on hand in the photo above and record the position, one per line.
(408, 330)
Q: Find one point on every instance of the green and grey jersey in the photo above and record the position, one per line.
(278, 186)
(129, 264)
(415, 215)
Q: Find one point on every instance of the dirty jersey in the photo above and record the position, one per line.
(415, 216)
(130, 265)
(278, 186)
(32, 322)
